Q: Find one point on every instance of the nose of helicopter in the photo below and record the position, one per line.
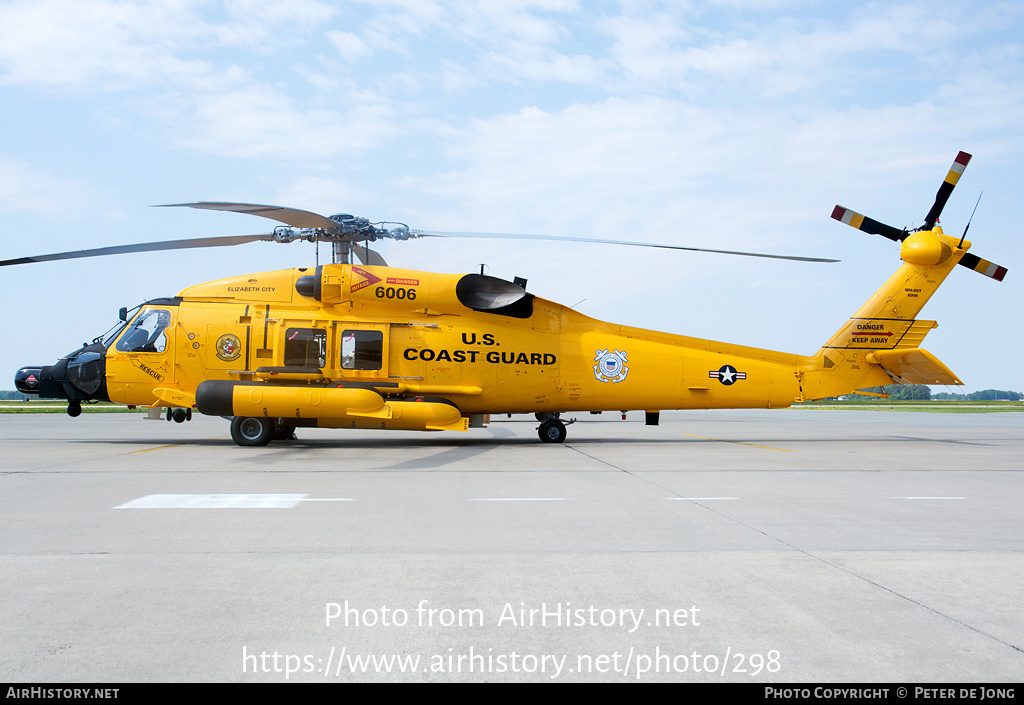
(26, 380)
(77, 377)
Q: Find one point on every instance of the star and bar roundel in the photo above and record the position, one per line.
(727, 374)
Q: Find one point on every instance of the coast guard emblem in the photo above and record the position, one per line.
(611, 366)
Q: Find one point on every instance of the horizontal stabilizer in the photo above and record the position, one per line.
(912, 366)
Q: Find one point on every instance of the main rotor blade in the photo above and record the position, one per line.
(289, 216)
(959, 164)
(142, 247)
(519, 236)
(867, 225)
(368, 256)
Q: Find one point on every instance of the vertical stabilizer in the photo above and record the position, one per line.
(881, 343)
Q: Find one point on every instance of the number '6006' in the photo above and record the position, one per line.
(395, 292)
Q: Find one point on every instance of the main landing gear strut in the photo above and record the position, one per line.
(552, 429)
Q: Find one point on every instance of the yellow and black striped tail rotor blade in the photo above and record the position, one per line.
(983, 266)
(868, 225)
(959, 164)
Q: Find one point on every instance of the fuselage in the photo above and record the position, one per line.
(483, 344)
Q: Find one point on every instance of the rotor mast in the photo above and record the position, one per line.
(342, 252)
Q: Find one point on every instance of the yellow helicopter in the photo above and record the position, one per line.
(364, 345)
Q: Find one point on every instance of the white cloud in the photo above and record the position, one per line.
(669, 171)
(121, 45)
(273, 14)
(84, 46)
(349, 45)
(547, 66)
(782, 55)
(25, 189)
(327, 195)
(259, 121)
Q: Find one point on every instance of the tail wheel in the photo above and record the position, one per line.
(552, 431)
(252, 430)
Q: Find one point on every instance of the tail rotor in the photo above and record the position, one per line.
(874, 227)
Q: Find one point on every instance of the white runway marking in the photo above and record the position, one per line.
(930, 498)
(520, 499)
(214, 501)
(700, 499)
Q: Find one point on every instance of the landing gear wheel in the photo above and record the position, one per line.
(252, 430)
(283, 431)
(552, 431)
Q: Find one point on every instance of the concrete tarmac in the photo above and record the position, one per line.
(725, 546)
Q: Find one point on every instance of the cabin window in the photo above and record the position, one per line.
(305, 347)
(362, 350)
(146, 333)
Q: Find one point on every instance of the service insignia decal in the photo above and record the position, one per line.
(727, 374)
(228, 347)
(611, 366)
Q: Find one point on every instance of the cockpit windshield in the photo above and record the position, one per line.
(111, 335)
(146, 332)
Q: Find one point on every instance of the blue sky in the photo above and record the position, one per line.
(729, 125)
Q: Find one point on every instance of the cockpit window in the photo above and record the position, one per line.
(111, 335)
(146, 332)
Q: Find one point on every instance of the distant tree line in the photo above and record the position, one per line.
(922, 392)
(12, 396)
(908, 392)
(983, 395)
